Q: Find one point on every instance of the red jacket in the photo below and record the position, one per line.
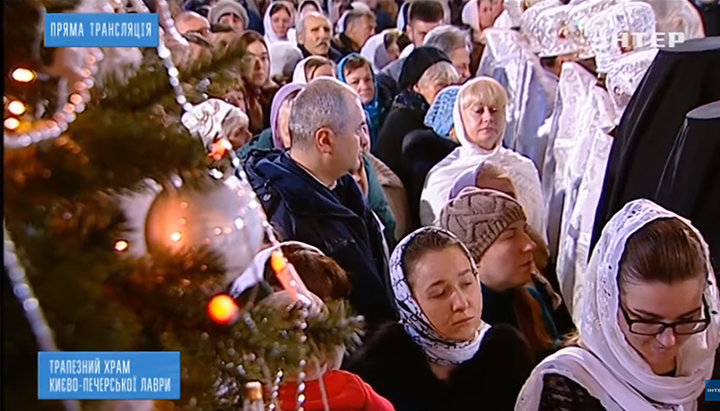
(345, 391)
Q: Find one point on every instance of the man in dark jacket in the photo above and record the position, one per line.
(314, 34)
(309, 196)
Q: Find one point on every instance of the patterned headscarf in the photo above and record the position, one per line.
(416, 324)
(440, 115)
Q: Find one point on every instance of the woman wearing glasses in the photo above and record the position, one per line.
(650, 325)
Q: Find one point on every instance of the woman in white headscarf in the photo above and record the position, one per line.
(278, 22)
(312, 67)
(441, 355)
(649, 324)
(382, 49)
(479, 126)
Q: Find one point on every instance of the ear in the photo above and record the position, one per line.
(324, 140)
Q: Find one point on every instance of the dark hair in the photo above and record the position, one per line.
(354, 63)
(403, 41)
(313, 3)
(548, 61)
(278, 6)
(530, 320)
(426, 10)
(665, 250)
(320, 273)
(315, 62)
(250, 37)
(429, 240)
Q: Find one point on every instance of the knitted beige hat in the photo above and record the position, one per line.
(224, 7)
(478, 216)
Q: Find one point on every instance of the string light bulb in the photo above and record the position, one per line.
(16, 107)
(23, 75)
(60, 121)
(121, 246)
(11, 123)
(223, 310)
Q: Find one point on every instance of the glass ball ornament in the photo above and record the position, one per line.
(135, 206)
(224, 218)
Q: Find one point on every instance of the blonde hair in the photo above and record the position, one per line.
(485, 91)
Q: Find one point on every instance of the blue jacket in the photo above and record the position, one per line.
(339, 222)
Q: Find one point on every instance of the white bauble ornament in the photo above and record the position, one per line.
(225, 218)
(135, 206)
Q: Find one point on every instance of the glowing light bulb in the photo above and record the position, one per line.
(223, 310)
(121, 245)
(16, 107)
(23, 75)
(11, 123)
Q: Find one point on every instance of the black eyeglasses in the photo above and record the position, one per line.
(682, 327)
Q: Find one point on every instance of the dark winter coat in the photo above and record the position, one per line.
(401, 121)
(338, 222)
(398, 370)
(342, 43)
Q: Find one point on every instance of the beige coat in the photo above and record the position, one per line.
(396, 195)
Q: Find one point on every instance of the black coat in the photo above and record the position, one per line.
(690, 184)
(680, 79)
(397, 369)
(398, 123)
(339, 222)
(422, 150)
(343, 44)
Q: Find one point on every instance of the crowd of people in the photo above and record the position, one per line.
(439, 163)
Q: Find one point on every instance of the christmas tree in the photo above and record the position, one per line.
(94, 142)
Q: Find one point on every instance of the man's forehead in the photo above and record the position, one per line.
(317, 21)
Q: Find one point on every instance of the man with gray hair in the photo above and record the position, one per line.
(456, 44)
(314, 34)
(357, 26)
(309, 195)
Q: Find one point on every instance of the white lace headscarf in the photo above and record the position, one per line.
(437, 349)
(610, 369)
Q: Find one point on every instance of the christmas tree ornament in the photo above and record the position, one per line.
(135, 206)
(223, 217)
(223, 310)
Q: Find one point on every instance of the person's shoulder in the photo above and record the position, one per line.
(503, 339)
(385, 347)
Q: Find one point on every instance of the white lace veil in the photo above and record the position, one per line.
(611, 370)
